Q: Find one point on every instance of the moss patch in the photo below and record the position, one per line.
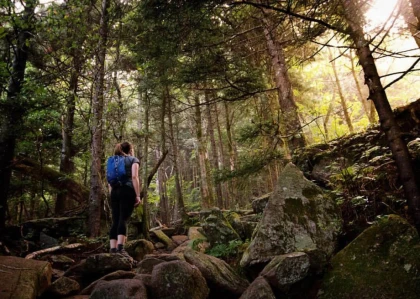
(383, 262)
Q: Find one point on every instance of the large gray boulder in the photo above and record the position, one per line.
(217, 228)
(221, 278)
(177, 280)
(383, 262)
(299, 217)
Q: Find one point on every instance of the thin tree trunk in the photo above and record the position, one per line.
(215, 156)
(232, 154)
(365, 103)
(327, 117)
(291, 123)
(386, 117)
(13, 109)
(96, 190)
(66, 160)
(146, 215)
(225, 193)
(205, 183)
(163, 204)
(179, 198)
(341, 94)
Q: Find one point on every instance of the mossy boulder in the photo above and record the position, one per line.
(383, 262)
(299, 217)
(222, 280)
(217, 228)
(139, 248)
(63, 287)
(177, 280)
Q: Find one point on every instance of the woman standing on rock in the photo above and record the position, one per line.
(124, 186)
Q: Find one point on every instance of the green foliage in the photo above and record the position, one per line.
(233, 249)
(249, 164)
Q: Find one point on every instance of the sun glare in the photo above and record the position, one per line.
(379, 12)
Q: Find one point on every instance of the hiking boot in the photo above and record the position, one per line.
(113, 250)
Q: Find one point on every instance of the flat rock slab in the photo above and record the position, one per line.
(22, 278)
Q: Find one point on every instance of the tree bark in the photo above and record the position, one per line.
(13, 108)
(290, 118)
(386, 117)
(96, 190)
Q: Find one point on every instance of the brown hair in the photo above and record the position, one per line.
(123, 149)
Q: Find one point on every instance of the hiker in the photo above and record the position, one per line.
(124, 186)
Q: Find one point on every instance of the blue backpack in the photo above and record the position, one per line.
(115, 171)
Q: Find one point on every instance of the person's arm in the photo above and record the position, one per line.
(136, 182)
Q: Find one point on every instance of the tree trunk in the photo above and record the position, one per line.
(232, 154)
(290, 118)
(13, 108)
(179, 198)
(225, 193)
(62, 202)
(163, 203)
(386, 117)
(327, 117)
(340, 94)
(96, 190)
(146, 215)
(215, 156)
(366, 104)
(205, 183)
